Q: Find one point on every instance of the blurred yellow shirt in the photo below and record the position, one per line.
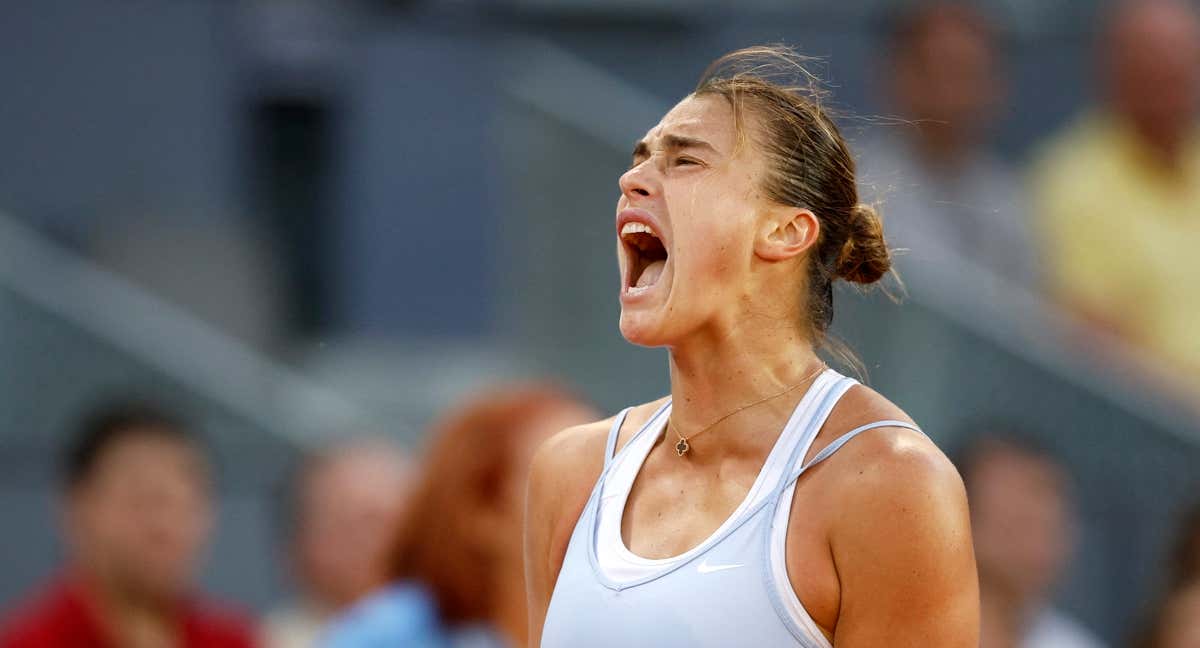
(1121, 236)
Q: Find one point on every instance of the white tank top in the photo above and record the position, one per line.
(731, 589)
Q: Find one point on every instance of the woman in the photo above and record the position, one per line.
(455, 570)
(769, 500)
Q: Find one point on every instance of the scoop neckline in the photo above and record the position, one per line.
(748, 502)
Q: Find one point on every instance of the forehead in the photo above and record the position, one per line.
(1009, 470)
(146, 454)
(362, 469)
(1155, 31)
(708, 117)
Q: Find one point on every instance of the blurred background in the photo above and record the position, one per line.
(297, 220)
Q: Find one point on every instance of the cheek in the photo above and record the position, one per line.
(199, 525)
(114, 519)
(713, 248)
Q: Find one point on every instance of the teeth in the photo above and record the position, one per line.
(636, 228)
(637, 290)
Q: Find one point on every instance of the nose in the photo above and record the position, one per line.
(637, 183)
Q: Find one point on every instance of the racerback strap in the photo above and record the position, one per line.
(844, 439)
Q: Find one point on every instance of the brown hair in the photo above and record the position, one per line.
(471, 459)
(809, 165)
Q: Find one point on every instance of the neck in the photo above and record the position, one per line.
(1003, 616)
(1166, 152)
(130, 618)
(1162, 146)
(941, 148)
(714, 375)
(321, 607)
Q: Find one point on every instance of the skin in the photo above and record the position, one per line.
(351, 501)
(729, 308)
(1011, 489)
(1151, 65)
(1181, 622)
(501, 527)
(136, 527)
(947, 78)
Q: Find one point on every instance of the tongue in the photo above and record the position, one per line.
(651, 274)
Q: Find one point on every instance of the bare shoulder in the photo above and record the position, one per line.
(565, 469)
(575, 454)
(891, 449)
(638, 416)
(902, 545)
(567, 465)
(888, 467)
(897, 467)
(575, 443)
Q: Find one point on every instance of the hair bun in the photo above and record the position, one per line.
(865, 257)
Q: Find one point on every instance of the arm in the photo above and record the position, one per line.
(539, 523)
(904, 556)
(560, 481)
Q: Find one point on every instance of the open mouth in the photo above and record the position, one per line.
(647, 257)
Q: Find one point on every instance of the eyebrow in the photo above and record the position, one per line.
(675, 142)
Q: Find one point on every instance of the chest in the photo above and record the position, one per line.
(673, 508)
(670, 511)
(1155, 285)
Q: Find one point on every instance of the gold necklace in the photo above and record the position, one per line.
(682, 446)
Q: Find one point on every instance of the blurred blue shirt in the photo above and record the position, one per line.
(401, 615)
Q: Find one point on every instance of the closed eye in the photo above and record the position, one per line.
(685, 160)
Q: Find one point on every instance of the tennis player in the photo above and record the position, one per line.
(769, 500)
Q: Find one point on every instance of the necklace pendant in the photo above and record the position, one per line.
(682, 447)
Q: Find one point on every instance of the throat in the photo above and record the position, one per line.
(716, 372)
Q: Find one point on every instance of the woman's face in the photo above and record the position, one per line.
(686, 223)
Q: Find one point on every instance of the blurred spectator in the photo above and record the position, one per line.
(941, 189)
(457, 570)
(1119, 192)
(347, 503)
(137, 512)
(1023, 528)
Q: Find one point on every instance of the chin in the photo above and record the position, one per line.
(158, 587)
(643, 329)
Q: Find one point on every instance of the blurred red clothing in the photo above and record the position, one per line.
(62, 617)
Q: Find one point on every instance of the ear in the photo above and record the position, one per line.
(787, 232)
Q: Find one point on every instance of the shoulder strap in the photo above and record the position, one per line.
(611, 446)
(845, 438)
(827, 391)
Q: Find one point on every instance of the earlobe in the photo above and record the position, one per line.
(786, 237)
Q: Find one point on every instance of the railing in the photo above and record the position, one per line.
(71, 333)
(164, 337)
